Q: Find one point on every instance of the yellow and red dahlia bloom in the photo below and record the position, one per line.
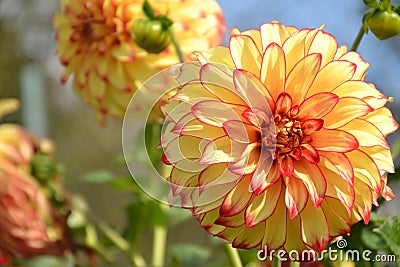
(278, 141)
(95, 45)
(26, 214)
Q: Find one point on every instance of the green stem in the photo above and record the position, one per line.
(357, 41)
(233, 256)
(137, 259)
(276, 262)
(159, 245)
(176, 45)
(294, 264)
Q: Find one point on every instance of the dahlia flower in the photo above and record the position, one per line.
(26, 215)
(94, 44)
(277, 140)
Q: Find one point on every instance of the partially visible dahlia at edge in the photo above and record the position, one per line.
(277, 140)
(96, 47)
(27, 224)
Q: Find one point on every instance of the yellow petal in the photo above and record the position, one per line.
(313, 179)
(346, 110)
(273, 32)
(383, 119)
(237, 199)
(250, 237)
(275, 226)
(245, 53)
(325, 45)
(315, 229)
(218, 54)
(331, 76)
(296, 196)
(262, 206)
(273, 70)
(302, 77)
(366, 133)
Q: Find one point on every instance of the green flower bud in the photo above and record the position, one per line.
(151, 35)
(384, 23)
(43, 168)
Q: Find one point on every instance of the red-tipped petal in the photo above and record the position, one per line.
(250, 237)
(263, 206)
(286, 165)
(317, 106)
(296, 196)
(311, 125)
(334, 141)
(309, 153)
(302, 76)
(237, 199)
(245, 53)
(313, 179)
(315, 229)
(346, 110)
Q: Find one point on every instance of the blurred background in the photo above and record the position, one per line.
(29, 71)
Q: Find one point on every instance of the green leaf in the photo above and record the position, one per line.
(126, 183)
(99, 176)
(189, 255)
(386, 5)
(49, 261)
(372, 3)
(372, 240)
(165, 21)
(365, 18)
(141, 215)
(390, 232)
(148, 10)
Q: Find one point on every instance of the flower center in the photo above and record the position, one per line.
(292, 134)
(93, 29)
(289, 134)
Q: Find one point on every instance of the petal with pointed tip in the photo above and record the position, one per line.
(366, 133)
(313, 179)
(346, 110)
(262, 206)
(273, 32)
(317, 106)
(249, 237)
(339, 163)
(334, 141)
(302, 77)
(245, 53)
(273, 70)
(296, 196)
(331, 76)
(315, 229)
(237, 199)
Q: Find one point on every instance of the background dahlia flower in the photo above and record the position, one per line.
(283, 145)
(95, 45)
(26, 216)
